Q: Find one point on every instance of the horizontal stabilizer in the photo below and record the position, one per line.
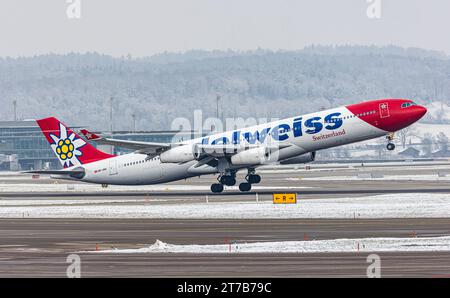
(75, 173)
(149, 148)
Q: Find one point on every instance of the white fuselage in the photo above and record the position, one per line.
(295, 136)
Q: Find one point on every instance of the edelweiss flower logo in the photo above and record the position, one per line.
(66, 147)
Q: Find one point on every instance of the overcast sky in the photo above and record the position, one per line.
(147, 27)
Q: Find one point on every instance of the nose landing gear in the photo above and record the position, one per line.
(390, 146)
(390, 137)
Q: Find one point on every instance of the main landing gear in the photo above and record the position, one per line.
(251, 178)
(230, 180)
(390, 137)
(216, 187)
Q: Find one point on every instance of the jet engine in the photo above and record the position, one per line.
(304, 158)
(178, 154)
(255, 156)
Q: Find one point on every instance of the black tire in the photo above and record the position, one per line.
(228, 180)
(216, 187)
(254, 179)
(231, 181)
(245, 186)
(390, 146)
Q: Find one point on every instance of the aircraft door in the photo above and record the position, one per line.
(384, 110)
(112, 166)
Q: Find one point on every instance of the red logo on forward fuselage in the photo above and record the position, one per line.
(384, 110)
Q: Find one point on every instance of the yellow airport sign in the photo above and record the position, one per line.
(285, 198)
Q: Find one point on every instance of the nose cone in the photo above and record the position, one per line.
(403, 117)
(418, 112)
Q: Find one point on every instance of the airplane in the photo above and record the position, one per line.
(289, 141)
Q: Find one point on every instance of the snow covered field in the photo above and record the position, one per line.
(382, 167)
(67, 202)
(384, 177)
(315, 246)
(412, 205)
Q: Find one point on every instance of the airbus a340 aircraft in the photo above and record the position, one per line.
(289, 141)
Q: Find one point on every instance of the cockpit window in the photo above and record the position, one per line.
(408, 104)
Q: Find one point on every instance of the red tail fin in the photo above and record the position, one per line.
(70, 149)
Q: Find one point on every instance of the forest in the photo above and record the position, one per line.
(78, 87)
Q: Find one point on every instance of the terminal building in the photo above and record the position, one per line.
(24, 147)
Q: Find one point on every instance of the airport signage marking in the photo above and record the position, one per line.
(285, 198)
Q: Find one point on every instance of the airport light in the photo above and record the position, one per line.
(111, 99)
(217, 105)
(15, 109)
(134, 121)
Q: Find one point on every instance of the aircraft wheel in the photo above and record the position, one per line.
(228, 180)
(245, 186)
(254, 179)
(217, 188)
(390, 146)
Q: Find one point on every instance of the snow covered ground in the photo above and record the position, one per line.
(385, 167)
(315, 246)
(58, 202)
(439, 110)
(410, 205)
(10, 173)
(421, 129)
(434, 177)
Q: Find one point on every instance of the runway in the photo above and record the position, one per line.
(414, 265)
(39, 247)
(347, 189)
(313, 181)
(306, 189)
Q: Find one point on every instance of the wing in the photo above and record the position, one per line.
(149, 148)
(223, 150)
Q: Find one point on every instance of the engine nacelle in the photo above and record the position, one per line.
(178, 154)
(255, 156)
(304, 158)
(201, 150)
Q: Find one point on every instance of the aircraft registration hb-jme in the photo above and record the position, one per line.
(289, 141)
